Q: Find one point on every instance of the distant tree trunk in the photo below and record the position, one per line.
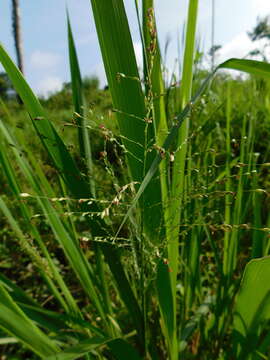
(16, 24)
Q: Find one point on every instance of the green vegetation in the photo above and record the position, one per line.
(134, 219)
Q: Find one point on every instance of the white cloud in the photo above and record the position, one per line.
(261, 7)
(240, 46)
(49, 85)
(44, 60)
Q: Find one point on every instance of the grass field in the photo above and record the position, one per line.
(135, 220)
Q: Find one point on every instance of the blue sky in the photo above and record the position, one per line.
(45, 39)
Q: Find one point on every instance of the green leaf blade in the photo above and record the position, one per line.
(16, 323)
(128, 100)
(252, 304)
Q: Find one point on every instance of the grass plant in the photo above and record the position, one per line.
(160, 264)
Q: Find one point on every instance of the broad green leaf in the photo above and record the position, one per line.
(17, 324)
(252, 304)
(119, 58)
(258, 68)
(128, 100)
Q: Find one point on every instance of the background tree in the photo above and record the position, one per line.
(16, 25)
(261, 30)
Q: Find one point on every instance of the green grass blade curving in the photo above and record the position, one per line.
(79, 107)
(18, 295)
(61, 158)
(76, 83)
(79, 350)
(16, 323)
(48, 319)
(253, 67)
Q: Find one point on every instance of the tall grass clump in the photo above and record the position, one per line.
(162, 255)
